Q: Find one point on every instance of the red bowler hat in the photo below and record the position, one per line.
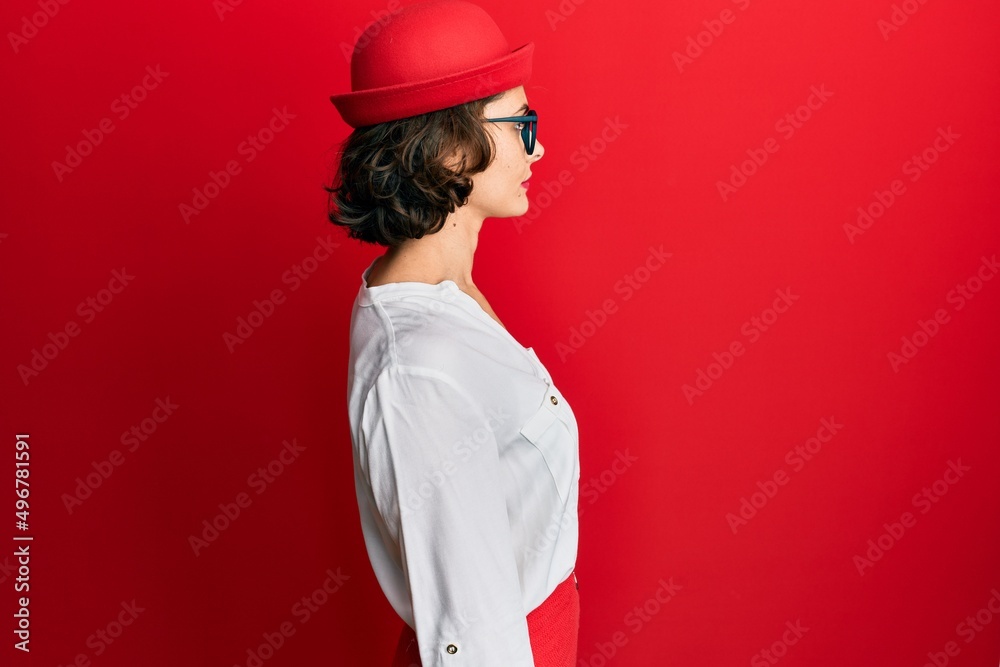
(429, 56)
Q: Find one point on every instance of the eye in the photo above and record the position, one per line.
(519, 126)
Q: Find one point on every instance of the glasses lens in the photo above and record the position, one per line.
(529, 132)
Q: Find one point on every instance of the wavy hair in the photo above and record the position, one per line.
(397, 180)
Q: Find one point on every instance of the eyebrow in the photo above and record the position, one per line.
(524, 107)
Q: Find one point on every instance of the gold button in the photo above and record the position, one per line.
(555, 401)
(452, 648)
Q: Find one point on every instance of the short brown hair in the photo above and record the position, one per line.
(393, 181)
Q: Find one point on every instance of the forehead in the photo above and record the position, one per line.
(513, 103)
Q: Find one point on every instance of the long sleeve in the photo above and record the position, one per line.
(434, 469)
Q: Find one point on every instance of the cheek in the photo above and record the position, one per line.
(513, 164)
(512, 152)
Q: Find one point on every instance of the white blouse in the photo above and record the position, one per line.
(466, 465)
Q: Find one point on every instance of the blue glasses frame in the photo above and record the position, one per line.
(528, 132)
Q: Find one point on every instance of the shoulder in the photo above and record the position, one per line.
(432, 331)
(438, 330)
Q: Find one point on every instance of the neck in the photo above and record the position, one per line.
(445, 255)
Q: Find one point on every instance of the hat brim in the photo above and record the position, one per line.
(379, 105)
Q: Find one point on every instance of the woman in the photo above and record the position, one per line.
(466, 455)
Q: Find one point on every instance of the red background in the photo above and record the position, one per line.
(653, 182)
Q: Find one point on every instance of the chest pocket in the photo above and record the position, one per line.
(549, 431)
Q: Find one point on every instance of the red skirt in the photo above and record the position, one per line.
(553, 628)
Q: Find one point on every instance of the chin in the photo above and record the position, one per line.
(520, 210)
(513, 211)
(523, 203)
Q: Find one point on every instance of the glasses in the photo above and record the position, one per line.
(528, 132)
